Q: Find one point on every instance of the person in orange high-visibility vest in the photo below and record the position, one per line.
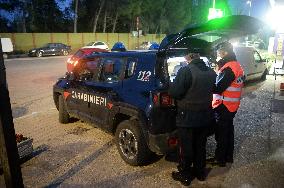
(226, 101)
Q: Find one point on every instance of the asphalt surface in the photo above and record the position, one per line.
(80, 155)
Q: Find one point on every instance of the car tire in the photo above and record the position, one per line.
(5, 56)
(63, 114)
(65, 52)
(39, 54)
(263, 77)
(131, 143)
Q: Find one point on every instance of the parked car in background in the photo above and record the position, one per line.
(147, 45)
(7, 47)
(72, 61)
(97, 44)
(255, 67)
(50, 49)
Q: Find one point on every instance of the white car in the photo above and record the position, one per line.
(255, 67)
(97, 44)
(7, 47)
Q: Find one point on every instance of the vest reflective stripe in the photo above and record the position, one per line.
(234, 89)
(232, 95)
(229, 99)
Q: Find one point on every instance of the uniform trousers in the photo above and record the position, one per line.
(224, 134)
(192, 148)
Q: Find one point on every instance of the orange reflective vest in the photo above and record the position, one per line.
(231, 97)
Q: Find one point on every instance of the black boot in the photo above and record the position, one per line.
(200, 175)
(184, 177)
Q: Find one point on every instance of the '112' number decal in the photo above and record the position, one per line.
(144, 76)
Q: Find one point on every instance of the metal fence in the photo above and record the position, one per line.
(26, 41)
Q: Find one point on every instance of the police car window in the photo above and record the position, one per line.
(89, 71)
(257, 57)
(174, 64)
(99, 43)
(111, 69)
(79, 53)
(130, 67)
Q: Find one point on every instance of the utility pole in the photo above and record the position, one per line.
(249, 3)
(8, 146)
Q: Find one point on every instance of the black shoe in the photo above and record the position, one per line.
(201, 175)
(181, 168)
(230, 160)
(211, 160)
(221, 164)
(218, 163)
(182, 177)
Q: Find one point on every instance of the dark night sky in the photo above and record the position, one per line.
(259, 7)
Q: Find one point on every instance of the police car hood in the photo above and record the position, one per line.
(213, 31)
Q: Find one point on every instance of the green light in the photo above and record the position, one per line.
(215, 13)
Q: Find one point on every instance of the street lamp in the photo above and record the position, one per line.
(249, 3)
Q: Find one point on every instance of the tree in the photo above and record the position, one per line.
(3, 25)
(97, 15)
(75, 16)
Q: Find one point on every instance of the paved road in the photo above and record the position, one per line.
(30, 83)
(79, 155)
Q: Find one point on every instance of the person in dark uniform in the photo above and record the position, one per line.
(226, 101)
(193, 90)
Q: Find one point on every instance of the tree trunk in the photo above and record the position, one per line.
(32, 25)
(75, 16)
(24, 17)
(97, 16)
(105, 21)
(132, 24)
(156, 30)
(114, 22)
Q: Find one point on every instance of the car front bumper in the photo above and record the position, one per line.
(31, 53)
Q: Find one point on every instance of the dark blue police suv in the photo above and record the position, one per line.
(125, 93)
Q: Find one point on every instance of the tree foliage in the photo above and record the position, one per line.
(154, 16)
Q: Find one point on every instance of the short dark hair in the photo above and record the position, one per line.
(225, 46)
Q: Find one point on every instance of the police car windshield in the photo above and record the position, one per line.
(175, 63)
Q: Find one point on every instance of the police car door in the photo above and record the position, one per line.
(78, 103)
(105, 90)
(138, 81)
(259, 64)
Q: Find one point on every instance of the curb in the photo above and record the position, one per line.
(17, 56)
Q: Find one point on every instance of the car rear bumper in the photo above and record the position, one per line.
(159, 143)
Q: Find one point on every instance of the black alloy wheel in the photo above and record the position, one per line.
(39, 54)
(65, 52)
(128, 143)
(131, 143)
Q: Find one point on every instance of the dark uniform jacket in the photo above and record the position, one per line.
(193, 90)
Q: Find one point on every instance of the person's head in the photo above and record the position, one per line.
(225, 49)
(191, 55)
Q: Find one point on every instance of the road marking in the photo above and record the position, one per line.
(37, 58)
(33, 114)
